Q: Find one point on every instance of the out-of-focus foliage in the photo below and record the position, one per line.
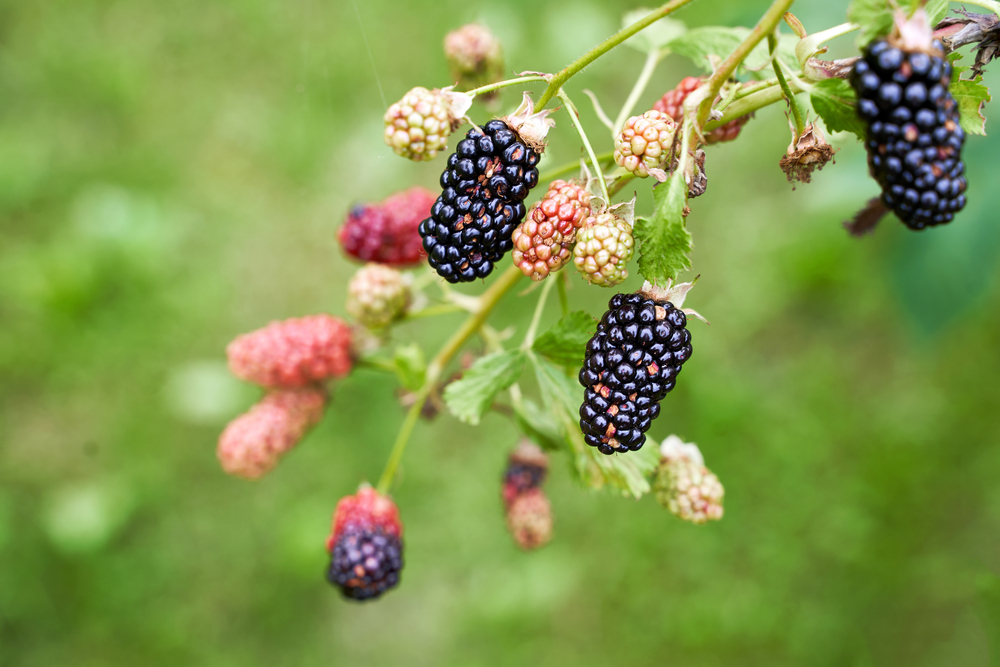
(172, 174)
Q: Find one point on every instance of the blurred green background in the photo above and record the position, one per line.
(173, 173)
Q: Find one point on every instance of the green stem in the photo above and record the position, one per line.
(750, 103)
(563, 297)
(569, 168)
(574, 116)
(800, 127)
(640, 85)
(566, 74)
(764, 27)
(377, 364)
(434, 311)
(536, 318)
(503, 84)
(488, 301)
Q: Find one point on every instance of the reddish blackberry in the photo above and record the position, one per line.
(365, 563)
(631, 363)
(366, 548)
(914, 140)
(484, 185)
(527, 468)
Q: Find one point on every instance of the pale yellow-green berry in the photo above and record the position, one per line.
(645, 143)
(418, 126)
(603, 248)
(377, 295)
(685, 486)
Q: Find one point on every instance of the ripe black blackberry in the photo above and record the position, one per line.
(487, 178)
(914, 139)
(365, 562)
(631, 363)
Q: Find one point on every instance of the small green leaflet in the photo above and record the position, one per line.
(663, 239)
(834, 100)
(628, 473)
(875, 16)
(971, 95)
(656, 35)
(538, 424)
(471, 396)
(557, 389)
(565, 342)
(411, 368)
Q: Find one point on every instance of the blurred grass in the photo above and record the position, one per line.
(171, 174)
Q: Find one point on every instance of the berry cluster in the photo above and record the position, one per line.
(387, 232)
(631, 363)
(365, 545)
(543, 243)
(483, 188)
(603, 249)
(914, 140)
(529, 513)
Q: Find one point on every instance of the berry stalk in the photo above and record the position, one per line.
(573, 68)
(488, 301)
(490, 87)
(574, 116)
(652, 60)
(772, 44)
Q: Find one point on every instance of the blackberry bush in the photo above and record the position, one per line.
(897, 100)
(914, 138)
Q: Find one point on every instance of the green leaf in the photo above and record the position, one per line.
(538, 424)
(558, 390)
(411, 367)
(565, 342)
(700, 43)
(936, 10)
(471, 396)
(656, 35)
(834, 101)
(971, 96)
(663, 239)
(875, 16)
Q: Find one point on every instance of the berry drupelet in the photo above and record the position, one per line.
(631, 363)
(481, 203)
(366, 548)
(914, 140)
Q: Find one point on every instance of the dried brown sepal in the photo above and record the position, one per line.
(867, 218)
(530, 126)
(809, 153)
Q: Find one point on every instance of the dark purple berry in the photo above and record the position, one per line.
(631, 363)
(914, 140)
(365, 562)
(483, 187)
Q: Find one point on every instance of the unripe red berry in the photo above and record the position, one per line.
(672, 104)
(252, 443)
(293, 353)
(386, 232)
